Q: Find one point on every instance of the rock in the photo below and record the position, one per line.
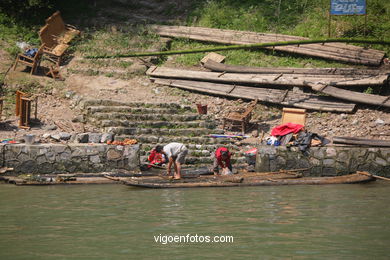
(113, 155)
(46, 135)
(106, 137)
(94, 138)
(78, 119)
(56, 137)
(156, 91)
(50, 127)
(379, 122)
(82, 138)
(65, 136)
(343, 116)
(69, 94)
(255, 133)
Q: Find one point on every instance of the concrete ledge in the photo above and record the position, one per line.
(325, 161)
(59, 158)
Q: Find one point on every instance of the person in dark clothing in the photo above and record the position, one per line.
(222, 159)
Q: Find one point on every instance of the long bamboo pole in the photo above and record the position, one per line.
(235, 47)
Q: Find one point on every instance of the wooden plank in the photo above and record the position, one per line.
(267, 79)
(351, 95)
(278, 96)
(334, 51)
(361, 141)
(212, 56)
(216, 66)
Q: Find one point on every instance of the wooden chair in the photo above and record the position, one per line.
(53, 49)
(32, 62)
(294, 115)
(23, 108)
(63, 33)
(240, 119)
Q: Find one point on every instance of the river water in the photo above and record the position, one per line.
(120, 222)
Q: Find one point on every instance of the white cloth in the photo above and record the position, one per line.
(173, 149)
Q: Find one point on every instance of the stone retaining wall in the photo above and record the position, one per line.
(70, 158)
(325, 161)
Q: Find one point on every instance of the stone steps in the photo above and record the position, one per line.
(203, 160)
(191, 132)
(198, 153)
(154, 124)
(196, 147)
(163, 123)
(136, 110)
(108, 102)
(152, 139)
(147, 117)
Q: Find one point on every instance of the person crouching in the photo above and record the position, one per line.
(156, 157)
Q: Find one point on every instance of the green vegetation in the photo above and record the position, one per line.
(308, 18)
(21, 20)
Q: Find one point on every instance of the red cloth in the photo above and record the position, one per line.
(218, 155)
(285, 129)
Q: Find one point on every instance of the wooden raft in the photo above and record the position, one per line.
(332, 51)
(276, 96)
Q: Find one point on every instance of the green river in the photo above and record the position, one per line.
(120, 222)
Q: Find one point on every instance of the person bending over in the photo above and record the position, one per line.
(222, 159)
(175, 153)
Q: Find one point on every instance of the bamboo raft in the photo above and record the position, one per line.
(241, 180)
(333, 51)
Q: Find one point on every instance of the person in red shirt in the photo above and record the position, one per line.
(222, 159)
(156, 156)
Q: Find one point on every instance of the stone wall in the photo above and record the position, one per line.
(70, 158)
(325, 161)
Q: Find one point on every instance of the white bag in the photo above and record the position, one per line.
(226, 171)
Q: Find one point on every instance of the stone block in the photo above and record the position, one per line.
(107, 137)
(82, 138)
(342, 168)
(343, 157)
(45, 168)
(94, 137)
(330, 152)
(114, 155)
(329, 162)
(95, 159)
(381, 162)
(314, 161)
(329, 171)
(28, 166)
(1, 155)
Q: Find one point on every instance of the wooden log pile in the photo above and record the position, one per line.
(285, 86)
(332, 51)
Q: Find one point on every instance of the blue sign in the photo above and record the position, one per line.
(347, 7)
